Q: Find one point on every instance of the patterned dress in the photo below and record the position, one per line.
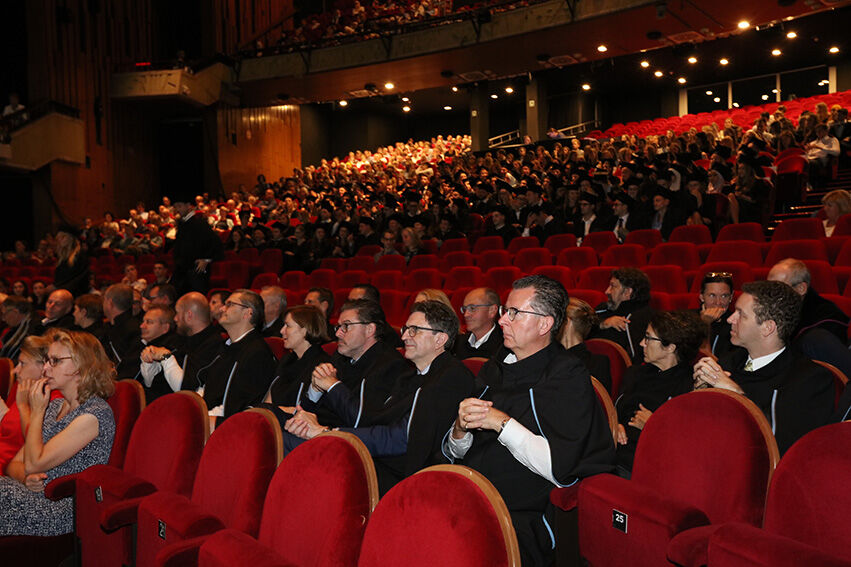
(23, 512)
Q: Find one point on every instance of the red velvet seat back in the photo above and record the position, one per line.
(632, 255)
(318, 502)
(127, 403)
(683, 254)
(711, 449)
(619, 360)
(445, 515)
(809, 491)
(741, 231)
(167, 441)
(528, 259)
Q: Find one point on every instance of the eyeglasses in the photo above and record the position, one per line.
(414, 329)
(513, 311)
(229, 304)
(55, 361)
(649, 338)
(473, 306)
(345, 326)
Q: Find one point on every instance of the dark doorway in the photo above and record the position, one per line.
(181, 158)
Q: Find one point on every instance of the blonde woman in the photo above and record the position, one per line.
(431, 294)
(836, 203)
(65, 435)
(72, 266)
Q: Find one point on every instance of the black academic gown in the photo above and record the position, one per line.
(598, 365)
(550, 394)
(239, 376)
(817, 311)
(795, 394)
(486, 350)
(123, 344)
(195, 240)
(197, 353)
(639, 313)
(274, 328)
(64, 322)
(645, 384)
(293, 375)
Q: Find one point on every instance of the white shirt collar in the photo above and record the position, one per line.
(510, 359)
(762, 361)
(471, 340)
(239, 338)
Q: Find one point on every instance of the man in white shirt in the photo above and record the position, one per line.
(537, 424)
(819, 152)
(483, 337)
(14, 105)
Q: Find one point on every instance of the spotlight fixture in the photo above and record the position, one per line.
(776, 52)
(447, 107)
(509, 90)
(744, 24)
(724, 61)
(681, 80)
(833, 49)
(406, 99)
(344, 103)
(645, 64)
(773, 91)
(454, 89)
(791, 35)
(717, 99)
(389, 86)
(602, 48)
(494, 96)
(708, 93)
(735, 105)
(692, 59)
(658, 73)
(765, 97)
(586, 87)
(406, 108)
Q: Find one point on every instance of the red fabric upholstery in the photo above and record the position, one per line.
(127, 403)
(230, 486)
(5, 379)
(798, 229)
(660, 300)
(434, 517)
(365, 263)
(561, 274)
(693, 233)
(492, 259)
(393, 302)
(454, 245)
(800, 249)
(424, 278)
(648, 238)
(390, 262)
(388, 279)
(276, 344)
(323, 278)
(823, 280)
(333, 264)
(474, 364)
(457, 258)
(488, 243)
(521, 242)
(741, 231)
(315, 510)
(424, 261)
(350, 278)
(558, 242)
(164, 450)
(619, 360)
(264, 279)
(271, 260)
(596, 278)
(600, 241)
(736, 251)
(577, 259)
(632, 255)
(294, 279)
(590, 296)
(500, 278)
(464, 276)
(683, 254)
(703, 458)
(741, 545)
(528, 259)
(669, 279)
(369, 250)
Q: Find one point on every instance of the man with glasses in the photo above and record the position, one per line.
(483, 337)
(365, 363)
(624, 316)
(405, 435)
(240, 375)
(536, 423)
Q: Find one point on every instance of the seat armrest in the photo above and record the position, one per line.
(61, 487)
(120, 514)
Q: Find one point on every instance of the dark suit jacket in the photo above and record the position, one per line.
(123, 344)
(274, 330)
(486, 350)
(640, 314)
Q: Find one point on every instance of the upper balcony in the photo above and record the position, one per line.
(34, 137)
(207, 86)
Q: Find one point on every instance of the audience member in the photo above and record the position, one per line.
(196, 246)
(157, 329)
(88, 315)
(624, 316)
(72, 267)
(57, 311)
(322, 298)
(716, 298)
(836, 204)
(18, 317)
(274, 304)
(484, 336)
(579, 320)
(364, 291)
(122, 338)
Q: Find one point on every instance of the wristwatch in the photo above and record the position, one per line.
(165, 356)
(502, 425)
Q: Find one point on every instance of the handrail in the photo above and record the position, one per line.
(579, 128)
(506, 138)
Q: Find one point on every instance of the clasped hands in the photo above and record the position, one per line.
(324, 376)
(153, 354)
(304, 424)
(474, 413)
(708, 371)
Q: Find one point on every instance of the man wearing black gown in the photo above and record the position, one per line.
(196, 246)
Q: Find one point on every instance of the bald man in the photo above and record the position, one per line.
(201, 345)
(58, 311)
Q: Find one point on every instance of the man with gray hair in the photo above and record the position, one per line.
(274, 304)
(816, 311)
(536, 423)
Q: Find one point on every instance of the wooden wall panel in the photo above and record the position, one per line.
(238, 22)
(257, 140)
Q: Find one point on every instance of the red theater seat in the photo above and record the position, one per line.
(798, 229)
(683, 254)
(520, 242)
(577, 258)
(316, 510)
(492, 259)
(474, 364)
(648, 237)
(423, 278)
(736, 251)
(704, 458)
(599, 241)
(127, 403)
(237, 464)
(444, 515)
(741, 231)
(595, 278)
(561, 274)
(454, 245)
(365, 263)
(488, 243)
(351, 278)
(619, 360)
(694, 233)
(264, 279)
(528, 259)
(391, 262)
(624, 255)
(276, 345)
(323, 277)
(501, 278)
(800, 249)
(668, 279)
(460, 258)
(393, 302)
(424, 261)
(295, 280)
(272, 260)
(558, 242)
(388, 279)
(590, 296)
(808, 493)
(464, 276)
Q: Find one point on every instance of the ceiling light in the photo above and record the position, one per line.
(509, 90)
(791, 35)
(454, 89)
(389, 86)
(765, 97)
(708, 93)
(586, 87)
(405, 99)
(744, 24)
(344, 103)
(602, 48)
(833, 49)
(735, 105)
(406, 108)
(681, 80)
(494, 96)
(776, 52)
(774, 91)
(717, 99)
(658, 73)
(645, 64)
(692, 59)
(723, 61)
